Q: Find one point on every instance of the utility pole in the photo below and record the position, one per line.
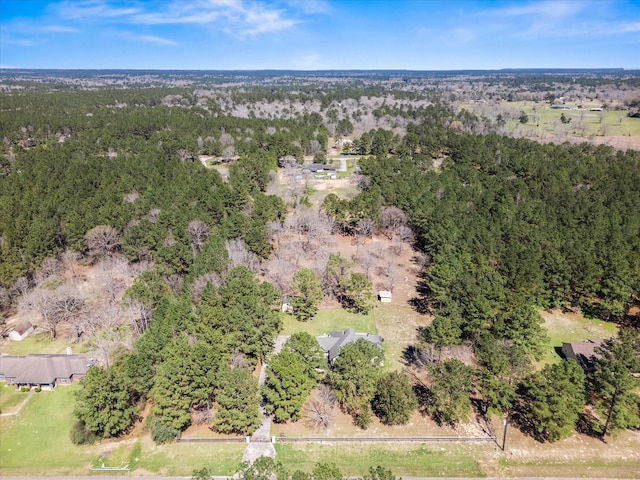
(505, 423)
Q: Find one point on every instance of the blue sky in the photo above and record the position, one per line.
(319, 34)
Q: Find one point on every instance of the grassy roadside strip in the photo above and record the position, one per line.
(354, 459)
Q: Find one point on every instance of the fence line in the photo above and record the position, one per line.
(343, 439)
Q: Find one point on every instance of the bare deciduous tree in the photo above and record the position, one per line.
(365, 227)
(140, 315)
(199, 232)
(280, 271)
(367, 261)
(43, 302)
(392, 219)
(21, 287)
(240, 256)
(54, 306)
(175, 282)
(238, 359)
(183, 155)
(152, 215)
(405, 234)
(318, 412)
(69, 261)
(102, 240)
(49, 267)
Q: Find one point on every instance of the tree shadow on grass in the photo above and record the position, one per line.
(588, 424)
(419, 303)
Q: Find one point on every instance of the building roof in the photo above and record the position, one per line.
(315, 167)
(332, 342)
(23, 327)
(384, 294)
(43, 369)
(583, 352)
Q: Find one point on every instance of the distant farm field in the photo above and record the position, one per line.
(609, 127)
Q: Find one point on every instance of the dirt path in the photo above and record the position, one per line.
(19, 407)
(260, 444)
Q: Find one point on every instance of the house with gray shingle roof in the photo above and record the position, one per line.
(332, 342)
(44, 371)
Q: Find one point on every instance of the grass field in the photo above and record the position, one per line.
(597, 468)
(40, 343)
(354, 459)
(544, 122)
(329, 320)
(571, 328)
(583, 122)
(36, 441)
(10, 398)
(180, 459)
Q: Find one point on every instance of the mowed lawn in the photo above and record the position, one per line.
(39, 343)
(10, 398)
(36, 441)
(403, 459)
(180, 459)
(329, 320)
(563, 327)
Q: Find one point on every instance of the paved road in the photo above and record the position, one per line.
(129, 477)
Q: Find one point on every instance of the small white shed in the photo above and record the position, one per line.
(21, 331)
(384, 296)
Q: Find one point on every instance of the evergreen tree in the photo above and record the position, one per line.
(238, 402)
(615, 380)
(307, 294)
(553, 398)
(394, 400)
(353, 377)
(451, 385)
(287, 385)
(104, 403)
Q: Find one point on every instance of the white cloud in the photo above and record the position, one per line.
(91, 9)
(20, 42)
(148, 38)
(310, 6)
(553, 9)
(59, 29)
(236, 16)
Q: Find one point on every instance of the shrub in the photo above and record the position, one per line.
(80, 435)
(161, 432)
(38, 389)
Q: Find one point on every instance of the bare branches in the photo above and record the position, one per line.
(240, 256)
(318, 411)
(55, 306)
(199, 232)
(102, 240)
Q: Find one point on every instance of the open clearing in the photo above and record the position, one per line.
(608, 127)
(36, 441)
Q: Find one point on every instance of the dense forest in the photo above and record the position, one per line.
(507, 226)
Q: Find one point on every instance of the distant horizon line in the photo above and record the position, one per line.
(280, 70)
